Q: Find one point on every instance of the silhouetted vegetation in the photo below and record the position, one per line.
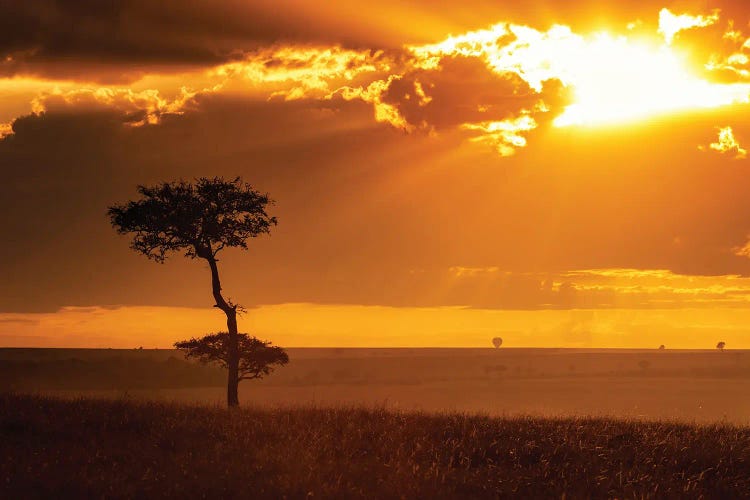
(199, 219)
(87, 448)
(124, 369)
(721, 345)
(115, 372)
(256, 357)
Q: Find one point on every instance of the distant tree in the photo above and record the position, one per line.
(661, 347)
(199, 219)
(497, 342)
(256, 357)
(721, 345)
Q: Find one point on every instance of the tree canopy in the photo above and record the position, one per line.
(199, 218)
(257, 358)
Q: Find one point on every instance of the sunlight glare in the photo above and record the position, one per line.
(613, 79)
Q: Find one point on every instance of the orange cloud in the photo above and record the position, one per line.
(743, 251)
(496, 84)
(601, 288)
(304, 71)
(505, 136)
(373, 94)
(727, 144)
(137, 108)
(671, 24)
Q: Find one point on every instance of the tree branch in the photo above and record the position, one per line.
(216, 287)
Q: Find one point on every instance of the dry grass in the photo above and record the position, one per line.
(51, 448)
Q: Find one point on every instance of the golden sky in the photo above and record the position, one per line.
(569, 173)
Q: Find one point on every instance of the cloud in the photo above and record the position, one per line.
(505, 136)
(727, 144)
(726, 52)
(599, 289)
(495, 84)
(462, 272)
(106, 41)
(304, 71)
(742, 251)
(119, 41)
(671, 24)
(459, 93)
(373, 94)
(135, 108)
(462, 90)
(287, 72)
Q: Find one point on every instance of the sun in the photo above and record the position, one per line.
(617, 79)
(613, 79)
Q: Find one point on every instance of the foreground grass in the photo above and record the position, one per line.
(55, 448)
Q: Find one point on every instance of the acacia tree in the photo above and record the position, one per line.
(256, 357)
(199, 219)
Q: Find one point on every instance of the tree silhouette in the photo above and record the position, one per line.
(199, 219)
(256, 357)
(721, 345)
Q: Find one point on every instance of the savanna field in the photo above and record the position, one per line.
(377, 423)
(82, 448)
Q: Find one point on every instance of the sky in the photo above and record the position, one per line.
(559, 173)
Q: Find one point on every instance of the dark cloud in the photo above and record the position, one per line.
(464, 90)
(121, 40)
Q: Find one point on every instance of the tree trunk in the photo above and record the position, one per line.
(233, 361)
(233, 357)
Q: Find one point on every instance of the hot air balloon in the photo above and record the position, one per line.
(497, 342)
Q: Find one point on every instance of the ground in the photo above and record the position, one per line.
(689, 386)
(75, 448)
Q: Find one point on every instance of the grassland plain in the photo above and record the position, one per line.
(83, 448)
(690, 386)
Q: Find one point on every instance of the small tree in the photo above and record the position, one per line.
(721, 345)
(199, 219)
(256, 357)
(662, 347)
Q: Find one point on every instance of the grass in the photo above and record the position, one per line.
(54, 448)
